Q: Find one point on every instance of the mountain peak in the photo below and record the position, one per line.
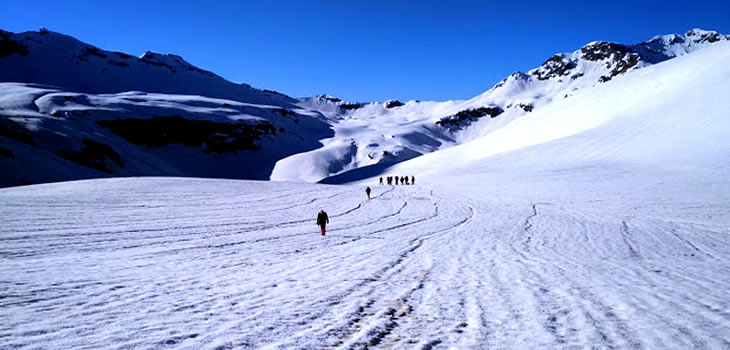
(51, 58)
(171, 61)
(166, 58)
(697, 32)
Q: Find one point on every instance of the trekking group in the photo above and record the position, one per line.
(323, 219)
(402, 180)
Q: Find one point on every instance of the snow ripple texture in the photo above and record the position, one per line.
(215, 264)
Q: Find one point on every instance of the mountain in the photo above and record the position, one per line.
(669, 119)
(69, 110)
(597, 62)
(54, 59)
(417, 128)
(597, 220)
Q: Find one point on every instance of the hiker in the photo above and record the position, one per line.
(390, 180)
(367, 191)
(322, 220)
(407, 180)
(381, 181)
(413, 180)
(396, 180)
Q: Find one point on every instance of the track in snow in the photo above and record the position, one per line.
(185, 263)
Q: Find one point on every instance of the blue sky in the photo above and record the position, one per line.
(363, 50)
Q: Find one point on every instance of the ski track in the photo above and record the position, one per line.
(227, 265)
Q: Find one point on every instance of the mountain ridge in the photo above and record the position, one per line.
(55, 59)
(83, 86)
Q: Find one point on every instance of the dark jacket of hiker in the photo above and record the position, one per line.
(322, 218)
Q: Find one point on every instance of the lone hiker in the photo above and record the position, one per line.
(322, 220)
(367, 191)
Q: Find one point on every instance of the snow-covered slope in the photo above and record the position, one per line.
(599, 221)
(69, 110)
(259, 134)
(672, 115)
(567, 262)
(51, 58)
(54, 135)
(367, 136)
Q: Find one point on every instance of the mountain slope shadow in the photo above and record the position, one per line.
(357, 174)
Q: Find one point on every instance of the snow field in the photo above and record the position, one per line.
(217, 264)
(149, 270)
(598, 220)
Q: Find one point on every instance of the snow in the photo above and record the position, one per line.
(369, 136)
(65, 62)
(338, 141)
(601, 220)
(59, 120)
(666, 115)
(556, 261)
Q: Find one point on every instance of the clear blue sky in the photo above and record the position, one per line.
(363, 50)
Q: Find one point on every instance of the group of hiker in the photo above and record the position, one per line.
(403, 180)
(323, 219)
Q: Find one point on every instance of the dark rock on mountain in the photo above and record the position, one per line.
(620, 58)
(9, 47)
(393, 104)
(466, 117)
(555, 66)
(212, 137)
(330, 98)
(13, 130)
(527, 107)
(352, 105)
(624, 64)
(6, 152)
(94, 155)
(600, 51)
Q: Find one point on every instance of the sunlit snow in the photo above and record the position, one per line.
(611, 231)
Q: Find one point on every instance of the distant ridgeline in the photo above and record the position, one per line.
(69, 110)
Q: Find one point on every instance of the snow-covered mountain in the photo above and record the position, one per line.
(53, 135)
(600, 221)
(597, 62)
(70, 110)
(54, 59)
(669, 117)
(369, 137)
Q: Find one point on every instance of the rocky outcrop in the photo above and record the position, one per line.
(619, 58)
(466, 117)
(212, 137)
(9, 47)
(351, 105)
(393, 103)
(555, 66)
(94, 155)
